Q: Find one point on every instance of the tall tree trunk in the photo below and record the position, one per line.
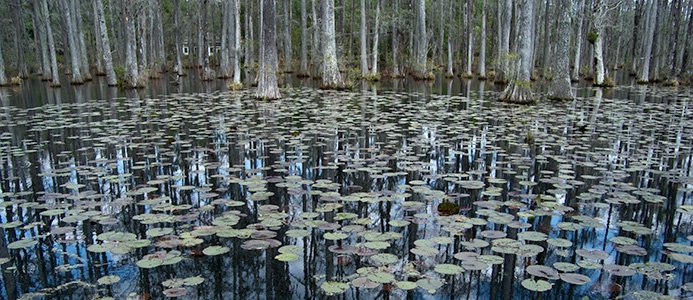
(3, 77)
(72, 42)
(395, 40)
(19, 37)
(79, 38)
(644, 74)
(178, 68)
(637, 16)
(317, 32)
(685, 59)
(224, 60)
(363, 41)
(157, 41)
(236, 7)
(501, 73)
(376, 36)
(201, 49)
(441, 33)
(303, 65)
(519, 90)
(674, 46)
(102, 32)
(39, 24)
(55, 77)
(288, 57)
(267, 87)
(470, 39)
(578, 40)
(599, 20)
(482, 42)
(207, 72)
(420, 68)
(142, 42)
(546, 52)
(131, 71)
(331, 77)
(98, 61)
(560, 83)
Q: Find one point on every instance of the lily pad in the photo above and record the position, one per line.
(215, 250)
(536, 285)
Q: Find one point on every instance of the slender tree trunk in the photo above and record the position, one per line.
(102, 32)
(98, 61)
(470, 39)
(55, 77)
(236, 5)
(685, 59)
(317, 31)
(267, 87)
(578, 40)
(201, 49)
(644, 74)
(659, 44)
(501, 74)
(395, 40)
(224, 60)
(207, 72)
(482, 42)
(363, 41)
(142, 42)
(519, 90)
(331, 77)
(545, 66)
(288, 57)
(560, 83)
(674, 46)
(158, 51)
(303, 65)
(79, 38)
(637, 15)
(3, 77)
(178, 68)
(131, 71)
(72, 42)
(39, 24)
(420, 68)
(376, 36)
(19, 37)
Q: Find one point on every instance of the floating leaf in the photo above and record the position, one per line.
(215, 250)
(334, 287)
(448, 269)
(108, 279)
(536, 285)
(574, 278)
(381, 277)
(194, 280)
(286, 257)
(21, 244)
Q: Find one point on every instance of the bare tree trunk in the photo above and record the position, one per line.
(685, 59)
(207, 72)
(224, 60)
(131, 71)
(470, 39)
(98, 61)
(102, 32)
(560, 84)
(482, 42)
(201, 49)
(376, 35)
(236, 7)
(39, 23)
(55, 77)
(519, 90)
(441, 32)
(142, 40)
(267, 87)
(363, 41)
(545, 67)
(74, 48)
(395, 40)
(317, 32)
(3, 77)
(676, 14)
(79, 31)
(19, 37)
(331, 77)
(288, 57)
(578, 40)
(644, 74)
(157, 39)
(303, 65)
(178, 68)
(501, 73)
(420, 69)
(637, 15)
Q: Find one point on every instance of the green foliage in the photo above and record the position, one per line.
(592, 37)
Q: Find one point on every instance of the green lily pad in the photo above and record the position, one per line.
(431, 285)
(681, 257)
(335, 236)
(405, 285)
(536, 285)
(108, 279)
(215, 250)
(334, 287)
(297, 233)
(574, 278)
(21, 244)
(157, 232)
(149, 263)
(194, 280)
(286, 257)
(377, 245)
(381, 277)
(382, 259)
(448, 269)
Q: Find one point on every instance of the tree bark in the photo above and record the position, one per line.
(560, 87)
(376, 36)
(482, 42)
(3, 76)
(224, 60)
(131, 71)
(267, 87)
(79, 31)
(331, 77)
(236, 53)
(685, 58)
(644, 74)
(317, 32)
(303, 65)
(207, 72)
(470, 39)
(363, 41)
(102, 32)
(420, 69)
(72, 43)
(39, 24)
(55, 77)
(142, 42)
(395, 40)
(578, 40)
(676, 14)
(158, 51)
(545, 67)
(501, 73)
(98, 61)
(288, 57)
(19, 37)
(178, 68)
(519, 90)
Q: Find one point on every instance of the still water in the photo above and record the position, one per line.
(189, 190)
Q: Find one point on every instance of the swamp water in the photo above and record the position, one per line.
(337, 195)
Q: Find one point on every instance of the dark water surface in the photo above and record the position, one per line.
(196, 191)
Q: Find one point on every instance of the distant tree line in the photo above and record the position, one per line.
(338, 41)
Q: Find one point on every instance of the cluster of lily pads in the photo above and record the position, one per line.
(347, 186)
